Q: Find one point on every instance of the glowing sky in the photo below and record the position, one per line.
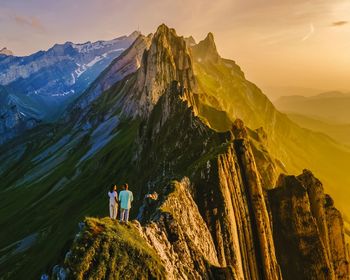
(278, 43)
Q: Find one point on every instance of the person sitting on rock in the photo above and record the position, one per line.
(149, 203)
(113, 202)
(125, 199)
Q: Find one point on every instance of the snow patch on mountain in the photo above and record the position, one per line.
(82, 68)
(72, 91)
(88, 47)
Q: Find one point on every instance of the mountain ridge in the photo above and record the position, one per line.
(127, 135)
(328, 106)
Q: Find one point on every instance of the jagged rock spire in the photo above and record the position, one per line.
(167, 60)
(206, 49)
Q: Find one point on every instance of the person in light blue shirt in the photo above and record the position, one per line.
(125, 199)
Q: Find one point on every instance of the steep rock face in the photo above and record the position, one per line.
(317, 206)
(166, 60)
(206, 49)
(306, 237)
(232, 202)
(182, 239)
(252, 181)
(268, 167)
(339, 254)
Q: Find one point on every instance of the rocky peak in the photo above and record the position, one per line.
(209, 41)
(206, 49)
(135, 34)
(167, 60)
(239, 130)
(6, 51)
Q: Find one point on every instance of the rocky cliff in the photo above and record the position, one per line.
(308, 230)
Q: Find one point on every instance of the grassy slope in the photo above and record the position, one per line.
(226, 88)
(105, 249)
(31, 208)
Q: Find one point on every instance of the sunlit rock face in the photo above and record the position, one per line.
(166, 60)
(308, 230)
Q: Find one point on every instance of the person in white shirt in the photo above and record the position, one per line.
(125, 198)
(113, 202)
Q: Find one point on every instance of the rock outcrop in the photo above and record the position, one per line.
(339, 253)
(206, 49)
(308, 230)
(182, 239)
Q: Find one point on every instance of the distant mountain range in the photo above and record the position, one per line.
(331, 107)
(40, 86)
(339, 132)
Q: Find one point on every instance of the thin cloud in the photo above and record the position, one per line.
(308, 35)
(339, 23)
(32, 22)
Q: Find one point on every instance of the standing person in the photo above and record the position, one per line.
(113, 202)
(125, 198)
